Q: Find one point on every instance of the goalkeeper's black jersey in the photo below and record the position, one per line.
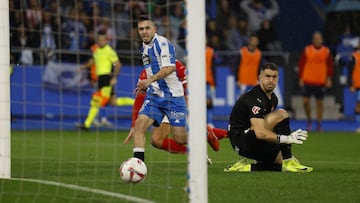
(253, 104)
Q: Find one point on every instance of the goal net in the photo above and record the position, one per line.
(52, 160)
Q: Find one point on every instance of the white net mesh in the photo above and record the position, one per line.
(52, 161)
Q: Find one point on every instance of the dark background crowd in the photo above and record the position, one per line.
(66, 25)
(64, 30)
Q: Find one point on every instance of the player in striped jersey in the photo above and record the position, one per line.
(164, 91)
(159, 137)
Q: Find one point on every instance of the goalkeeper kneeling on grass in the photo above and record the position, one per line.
(257, 131)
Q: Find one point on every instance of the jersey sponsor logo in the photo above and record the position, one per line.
(145, 59)
(165, 59)
(255, 110)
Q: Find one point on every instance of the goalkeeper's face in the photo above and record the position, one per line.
(146, 30)
(268, 79)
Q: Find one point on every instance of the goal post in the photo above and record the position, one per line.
(197, 167)
(5, 163)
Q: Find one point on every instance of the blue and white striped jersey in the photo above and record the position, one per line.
(157, 54)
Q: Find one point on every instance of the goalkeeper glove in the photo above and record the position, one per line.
(296, 137)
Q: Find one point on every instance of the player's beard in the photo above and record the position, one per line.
(269, 88)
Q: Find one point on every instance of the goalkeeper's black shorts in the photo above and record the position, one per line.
(246, 144)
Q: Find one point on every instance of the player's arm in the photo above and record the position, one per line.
(258, 125)
(330, 70)
(351, 67)
(181, 73)
(273, 10)
(116, 71)
(87, 65)
(165, 71)
(245, 6)
(167, 55)
(139, 100)
(261, 133)
(301, 67)
(239, 58)
(117, 68)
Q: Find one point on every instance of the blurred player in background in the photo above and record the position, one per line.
(354, 69)
(258, 131)
(91, 70)
(160, 135)
(107, 67)
(315, 72)
(250, 61)
(210, 83)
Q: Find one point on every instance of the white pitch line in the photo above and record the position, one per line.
(86, 189)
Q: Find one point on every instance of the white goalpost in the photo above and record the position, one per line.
(5, 164)
(197, 166)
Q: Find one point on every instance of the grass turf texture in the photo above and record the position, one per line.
(92, 159)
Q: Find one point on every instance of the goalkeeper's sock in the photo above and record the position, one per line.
(93, 111)
(283, 128)
(124, 101)
(171, 146)
(266, 167)
(220, 133)
(139, 153)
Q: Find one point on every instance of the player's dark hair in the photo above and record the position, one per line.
(271, 66)
(253, 35)
(101, 32)
(142, 18)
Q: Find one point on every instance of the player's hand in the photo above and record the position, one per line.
(352, 89)
(301, 83)
(144, 84)
(113, 81)
(139, 91)
(80, 69)
(296, 137)
(130, 136)
(328, 83)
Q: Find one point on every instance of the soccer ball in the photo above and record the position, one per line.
(133, 170)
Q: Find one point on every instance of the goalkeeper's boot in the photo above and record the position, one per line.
(243, 165)
(293, 165)
(212, 139)
(81, 126)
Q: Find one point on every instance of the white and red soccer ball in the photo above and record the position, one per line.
(133, 170)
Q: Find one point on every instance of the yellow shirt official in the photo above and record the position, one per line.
(104, 59)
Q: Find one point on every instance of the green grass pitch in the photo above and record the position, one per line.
(92, 159)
